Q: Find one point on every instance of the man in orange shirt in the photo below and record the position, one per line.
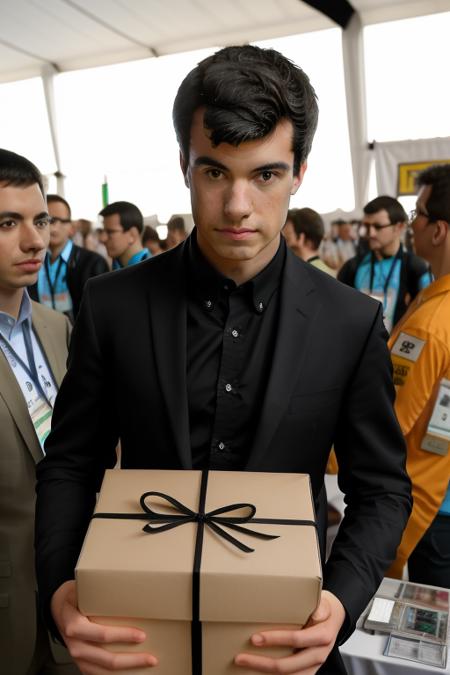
(420, 348)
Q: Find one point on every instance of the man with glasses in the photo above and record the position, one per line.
(420, 348)
(123, 225)
(67, 266)
(388, 272)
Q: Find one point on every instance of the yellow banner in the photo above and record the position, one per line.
(407, 173)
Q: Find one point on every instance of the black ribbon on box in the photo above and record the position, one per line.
(216, 521)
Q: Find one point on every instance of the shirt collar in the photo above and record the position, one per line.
(208, 284)
(65, 253)
(441, 285)
(9, 325)
(136, 258)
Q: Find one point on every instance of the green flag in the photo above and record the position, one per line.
(105, 196)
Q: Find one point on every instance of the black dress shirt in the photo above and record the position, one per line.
(231, 332)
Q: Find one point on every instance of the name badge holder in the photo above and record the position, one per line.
(437, 437)
(41, 407)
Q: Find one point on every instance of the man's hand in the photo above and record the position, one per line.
(311, 644)
(84, 639)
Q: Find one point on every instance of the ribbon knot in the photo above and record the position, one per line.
(215, 520)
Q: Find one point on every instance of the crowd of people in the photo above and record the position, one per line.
(235, 349)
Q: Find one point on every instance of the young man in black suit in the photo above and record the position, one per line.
(240, 350)
(67, 266)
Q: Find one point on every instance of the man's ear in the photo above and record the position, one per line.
(440, 232)
(134, 234)
(184, 169)
(301, 241)
(298, 178)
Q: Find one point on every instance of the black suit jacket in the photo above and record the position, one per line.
(82, 265)
(330, 382)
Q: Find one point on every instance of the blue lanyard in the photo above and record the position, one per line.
(29, 368)
(391, 270)
(47, 274)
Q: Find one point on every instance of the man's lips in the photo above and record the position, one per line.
(30, 265)
(241, 233)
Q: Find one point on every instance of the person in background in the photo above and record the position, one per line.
(241, 352)
(420, 349)
(336, 250)
(304, 231)
(388, 273)
(67, 266)
(151, 240)
(33, 352)
(123, 225)
(90, 239)
(176, 231)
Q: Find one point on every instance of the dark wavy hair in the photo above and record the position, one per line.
(18, 171)
(57, 198)
(129, 215)
(438, 203)
(308, 222)
(395, 210)
(246, 91)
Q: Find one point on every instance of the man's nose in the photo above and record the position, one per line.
(32, 238)
(238, 201)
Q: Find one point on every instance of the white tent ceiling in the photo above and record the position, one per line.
(62, 35)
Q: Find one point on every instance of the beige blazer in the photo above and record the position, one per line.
(19, 452)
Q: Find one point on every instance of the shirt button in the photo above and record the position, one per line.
(221, 446)
(208, 304)
(260, 307)
(228, 387)
(235, 333)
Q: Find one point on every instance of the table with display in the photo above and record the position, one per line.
(363, 655)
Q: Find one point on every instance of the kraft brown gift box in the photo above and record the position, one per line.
(126, 576)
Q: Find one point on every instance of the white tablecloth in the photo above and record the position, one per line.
(363, 655)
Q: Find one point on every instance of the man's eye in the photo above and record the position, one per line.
(214, 173)
(43, 223)
(7, 224)
(266, 176)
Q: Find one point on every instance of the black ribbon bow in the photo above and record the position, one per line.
(212, 519)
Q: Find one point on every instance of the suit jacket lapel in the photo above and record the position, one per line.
(56, 356)
(167, 310)
(15, 402)
(299, 306)
(11, 392)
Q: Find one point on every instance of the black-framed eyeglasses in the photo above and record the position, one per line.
(376, 226)
(53, 220)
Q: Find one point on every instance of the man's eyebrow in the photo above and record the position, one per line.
(19, 216)
(204, 160)
(273, 165)
(43, 214)
(11, 214)
(209, 161)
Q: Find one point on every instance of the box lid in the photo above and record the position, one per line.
(124, 571)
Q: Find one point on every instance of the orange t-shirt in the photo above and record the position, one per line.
(420, 352)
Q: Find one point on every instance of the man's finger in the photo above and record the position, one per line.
(314, 636)
(322, 612)
(97, 656)
(302, 662)
(84, 629)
